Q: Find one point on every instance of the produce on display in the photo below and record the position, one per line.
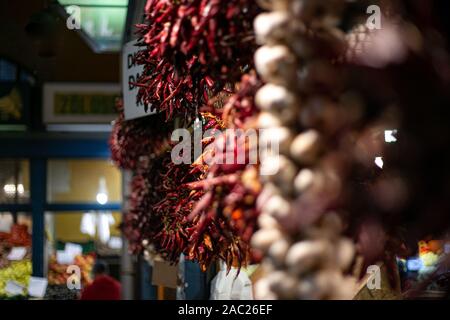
(5, 250)
(341, 99)
(18, 271)
(18, 236)
(306, 254)
(58, 275)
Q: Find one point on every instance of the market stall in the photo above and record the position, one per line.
(329, 87)
(260, 150)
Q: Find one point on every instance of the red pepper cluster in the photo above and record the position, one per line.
(160, 204)
(194, 51)
(133, 140)
(140, 222)
(173, 207)
(18, 236)
(230, 190)
(189, 48)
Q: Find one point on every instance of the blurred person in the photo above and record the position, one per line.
(104, 287)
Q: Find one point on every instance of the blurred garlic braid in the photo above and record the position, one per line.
(305, 106)
(334, 89)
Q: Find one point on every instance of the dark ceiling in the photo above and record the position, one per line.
(73, 61)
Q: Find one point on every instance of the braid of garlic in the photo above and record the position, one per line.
(300, 235)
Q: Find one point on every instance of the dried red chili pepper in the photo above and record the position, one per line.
(175, 234)
(230, 190)
(132, 140)
(192, 49)
(175, 209)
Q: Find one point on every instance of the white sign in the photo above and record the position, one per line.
(414, 264)
(63, 257)
(13, 288)
(37, 287)
(67, 256)
(73, 249)
(17, 253)
(130, 73)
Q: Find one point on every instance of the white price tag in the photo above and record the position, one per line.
(62, 257)
(73, 249)
(447, 248)
(37, 287)
(13, 288)
(17, 253)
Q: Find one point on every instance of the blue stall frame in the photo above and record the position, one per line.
(38, 150)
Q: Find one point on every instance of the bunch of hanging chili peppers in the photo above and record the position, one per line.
(133, 140)
(230, 190)
(189, 46)
(140, 222)
(206, 212)
(177, 232)
(192, 210)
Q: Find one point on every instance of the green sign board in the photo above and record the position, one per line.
(101, 21)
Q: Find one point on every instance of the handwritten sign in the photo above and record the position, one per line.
(130, 73)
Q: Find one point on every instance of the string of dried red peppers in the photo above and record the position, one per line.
(137, 140)
(230, 190)
(170, 232)
(193, 49)
(205, 214)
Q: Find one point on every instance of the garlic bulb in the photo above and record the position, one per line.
(276, 63)
(306, 146)
(268, 120)
(280, 136)
(264, 238)
(275, 98)
(304, 180)
(271, 27)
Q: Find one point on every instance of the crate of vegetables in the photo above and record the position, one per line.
(58, 275)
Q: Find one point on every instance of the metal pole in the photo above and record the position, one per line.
(38, 177)
(126, 261)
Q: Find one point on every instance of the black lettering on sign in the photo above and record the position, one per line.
(130, 59)
(131, 80)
